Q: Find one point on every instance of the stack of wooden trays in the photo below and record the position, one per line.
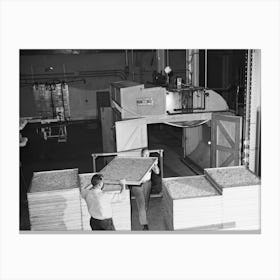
(121, 209)
(54, 201)
(240, 196)
(191, 203)
(84, 181)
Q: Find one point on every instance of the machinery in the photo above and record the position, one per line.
(194, 99)
(133, 107)
(192, 107)
(133, 100)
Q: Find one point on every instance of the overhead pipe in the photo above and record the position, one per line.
(35, 76)
(126, 58)
(73, 77)
(59, 79)
(32, 72)
(53, 82)
(73, 73)
(167, 57)
(97, 73)
(120, 73)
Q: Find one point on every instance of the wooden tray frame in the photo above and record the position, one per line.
(129, 182)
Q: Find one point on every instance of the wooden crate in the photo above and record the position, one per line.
(133, 100)
(240, 195)
(121, 210)
(54, 202)
(150, 101)
(190, 202)
(124, 94)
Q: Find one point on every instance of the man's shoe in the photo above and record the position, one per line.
(145, 227)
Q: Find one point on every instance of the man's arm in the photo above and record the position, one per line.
(85, 190)
(120, 196)
(123, 183)
(155, 168)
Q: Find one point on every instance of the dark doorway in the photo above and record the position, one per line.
(169, 138)
(102, 100)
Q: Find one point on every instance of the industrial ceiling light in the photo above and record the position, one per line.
(75, 52)
(49, 69)
(167, 70)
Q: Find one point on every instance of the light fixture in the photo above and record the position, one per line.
(49, 69)
(167, 70)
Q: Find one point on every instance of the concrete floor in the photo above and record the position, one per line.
(155, 217)
(85, 138)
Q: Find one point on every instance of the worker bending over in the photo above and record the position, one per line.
(99, 203)
(142, 193)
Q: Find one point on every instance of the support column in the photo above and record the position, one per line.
(160, 61)
(192, 67)
(192, 78)
(225, 72)
(247, 100)
(195, 63)
(188, 68)
(255, 112)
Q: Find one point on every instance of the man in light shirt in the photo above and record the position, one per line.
(99, 203)
(142, 193)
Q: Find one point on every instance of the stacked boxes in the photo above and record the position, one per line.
(190, 203)
(240, 195)
(225, 198)
(53, 201)
(84, 181)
